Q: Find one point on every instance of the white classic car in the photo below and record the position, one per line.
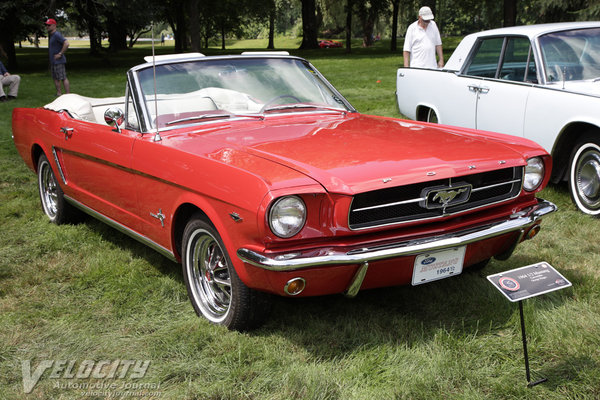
(539, 81)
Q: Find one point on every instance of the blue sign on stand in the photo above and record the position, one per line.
(525, 282)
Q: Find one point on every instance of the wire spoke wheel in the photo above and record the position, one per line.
(209, 272)
(48, 189)
(52, 197)
(214, 287)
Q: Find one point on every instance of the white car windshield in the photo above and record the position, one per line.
(571, 55)
(198, 91)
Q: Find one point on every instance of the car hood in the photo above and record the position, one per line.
(358, 153)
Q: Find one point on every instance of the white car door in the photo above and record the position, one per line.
(507, 70)
(501, 107)
(441, 92)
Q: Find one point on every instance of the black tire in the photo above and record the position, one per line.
(432, 116)
(213, 286)
(584, 174)
(52, 196)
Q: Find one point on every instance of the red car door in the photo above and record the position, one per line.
(96, 163)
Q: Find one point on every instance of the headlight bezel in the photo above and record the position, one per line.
(286, 207)
(534, 174)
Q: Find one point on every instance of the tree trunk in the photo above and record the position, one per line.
(349, 6)
(117, 35)
(179, 29)
(222, 37)
(9, 48)
(510, 12)
(194, 18)
(271, 45)
(395, 12)
(309, 25)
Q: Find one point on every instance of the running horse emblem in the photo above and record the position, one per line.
(446, 196)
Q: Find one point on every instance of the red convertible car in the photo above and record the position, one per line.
(327, 44)
(260, 178)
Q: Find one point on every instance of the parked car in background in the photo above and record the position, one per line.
(260, 178)
(329, 44)
(541, 82)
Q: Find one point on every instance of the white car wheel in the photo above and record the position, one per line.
(584, 177)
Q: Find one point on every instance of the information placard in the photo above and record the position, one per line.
(529, 281)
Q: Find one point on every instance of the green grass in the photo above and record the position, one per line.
(86, 292)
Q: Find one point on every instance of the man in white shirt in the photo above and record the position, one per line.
(422, 42)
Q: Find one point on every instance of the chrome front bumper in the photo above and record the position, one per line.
(291, 261)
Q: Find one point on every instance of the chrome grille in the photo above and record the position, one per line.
(408, 203)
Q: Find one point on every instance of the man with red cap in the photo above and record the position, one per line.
(57, 45)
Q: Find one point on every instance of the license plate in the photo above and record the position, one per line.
(438, 265)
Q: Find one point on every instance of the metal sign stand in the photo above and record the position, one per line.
(525, 282)
(525, 354)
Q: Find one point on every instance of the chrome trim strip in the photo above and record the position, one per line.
(123, 229)
(397, 203)
(357, 280)
(496, 185)
(330, 256)
(60, 171)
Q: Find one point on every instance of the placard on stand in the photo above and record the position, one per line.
(525, 282)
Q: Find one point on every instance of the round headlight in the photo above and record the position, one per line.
(534, 174)
(287, 216)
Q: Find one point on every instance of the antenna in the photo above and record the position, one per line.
(157, 137)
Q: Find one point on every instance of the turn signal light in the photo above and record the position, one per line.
(294, 286)
(533, 232)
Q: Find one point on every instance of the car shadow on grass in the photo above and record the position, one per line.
(465, 305)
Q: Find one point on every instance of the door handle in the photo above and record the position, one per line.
(473, 88)
(67, 131)
(484, 89)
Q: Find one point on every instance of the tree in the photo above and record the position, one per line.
(510, 12)
(349, 10)
(18, 21)
(368, 13)
(395, 12)
(310, 25)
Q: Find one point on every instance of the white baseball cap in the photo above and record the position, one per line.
(425, 13)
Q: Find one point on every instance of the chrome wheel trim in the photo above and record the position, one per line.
(208, 275)
(585, 178)
(432, 116)
(48, 190)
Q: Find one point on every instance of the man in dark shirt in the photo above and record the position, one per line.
(12, 81)
(57, 45)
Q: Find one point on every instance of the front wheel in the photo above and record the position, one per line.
(214, 288)
(432, 116)
(584, 175)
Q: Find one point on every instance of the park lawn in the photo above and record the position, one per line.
(86, 292)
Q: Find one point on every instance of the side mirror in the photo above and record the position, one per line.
(114, 116)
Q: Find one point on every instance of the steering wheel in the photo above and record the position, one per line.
(274, 99)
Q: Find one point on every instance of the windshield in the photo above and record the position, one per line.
(571, 55)
(223, 88)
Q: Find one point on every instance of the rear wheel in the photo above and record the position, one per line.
(52, 196)
(584, 175)
(214, 288)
